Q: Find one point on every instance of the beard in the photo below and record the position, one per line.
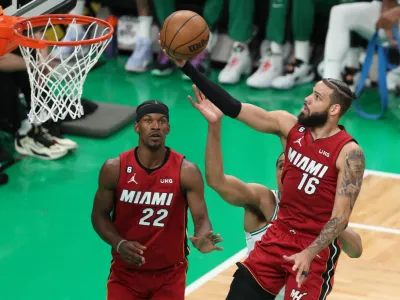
(313, 120)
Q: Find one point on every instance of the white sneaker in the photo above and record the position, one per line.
(239, 63)
(142, 57)
(74, 33)
(271, 67)
(393, 79)
(298, 73)
(35, 144)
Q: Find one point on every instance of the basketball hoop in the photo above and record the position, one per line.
(57, 77)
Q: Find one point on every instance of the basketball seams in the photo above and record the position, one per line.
(166, 27)
(191, 40)
(176, 33)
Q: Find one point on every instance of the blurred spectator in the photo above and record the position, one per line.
(363, 18)
(304, 12)
(142, 56)
(240, 30)
(30, 139)
(74, 32)
(271, 50)
(211, 13)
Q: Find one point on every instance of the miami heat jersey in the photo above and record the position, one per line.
(151, 209)
(309, 179)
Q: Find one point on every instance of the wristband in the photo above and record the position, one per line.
(119, 244)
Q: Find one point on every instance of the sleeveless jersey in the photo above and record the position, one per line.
(152, 210)
(254, 236)
(309, 178)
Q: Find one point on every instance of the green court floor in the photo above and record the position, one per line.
(48, 249)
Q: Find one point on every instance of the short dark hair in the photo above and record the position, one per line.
(151, 106)
(341, 94)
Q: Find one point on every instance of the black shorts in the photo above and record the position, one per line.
(244, 286)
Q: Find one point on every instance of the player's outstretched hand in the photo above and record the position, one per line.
(206, 243)
(132, 252)
(302, 263)
(179, 62)
(205, 106)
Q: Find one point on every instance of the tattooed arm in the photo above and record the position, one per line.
(351, 166)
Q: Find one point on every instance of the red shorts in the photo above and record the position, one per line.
(272, 272)
(166, 284)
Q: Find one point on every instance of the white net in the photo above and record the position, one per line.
(57, 73)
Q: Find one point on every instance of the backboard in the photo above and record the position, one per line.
(30, 8)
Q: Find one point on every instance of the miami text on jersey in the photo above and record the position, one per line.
(306, 164)
(148, 198)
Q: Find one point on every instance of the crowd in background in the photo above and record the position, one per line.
(273, 44)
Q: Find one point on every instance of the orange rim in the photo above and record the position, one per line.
(57, 19)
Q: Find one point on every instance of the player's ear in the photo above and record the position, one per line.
(136, 127)
(169, 129)
(334, 109)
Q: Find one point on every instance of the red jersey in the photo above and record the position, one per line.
(151, 209)
(309, 179)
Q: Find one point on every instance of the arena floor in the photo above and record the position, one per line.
(48, 249)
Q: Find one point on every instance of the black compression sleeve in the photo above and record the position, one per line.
(217, 95)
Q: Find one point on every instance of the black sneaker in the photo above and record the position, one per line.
(4, 155)
(201, 62)
(163, 66)
(36, 144)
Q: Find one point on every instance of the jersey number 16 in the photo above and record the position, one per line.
(308, 183)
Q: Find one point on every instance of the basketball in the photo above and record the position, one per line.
(184, 34)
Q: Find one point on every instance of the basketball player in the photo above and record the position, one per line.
(259, 202)
(147, 190)
(321, 181)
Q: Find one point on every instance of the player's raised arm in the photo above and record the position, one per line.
(231, 189)
(103, 205)
(193, 185)
(351, 243)
(275, 122)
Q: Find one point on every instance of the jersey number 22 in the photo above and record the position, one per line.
(149, 212)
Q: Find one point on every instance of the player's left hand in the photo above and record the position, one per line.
(205, 107)
(206, 243)
(179, 62)
(302, 262)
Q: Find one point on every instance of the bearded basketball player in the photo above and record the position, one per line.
(140, 210)
(260, 204)
(321, 181)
